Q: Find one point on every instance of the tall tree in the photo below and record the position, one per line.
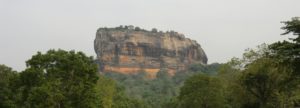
(264, 80)
(288, 55)
(60, 79)
(292, 26)
(272, 75)
(201, 91)
(289, 51)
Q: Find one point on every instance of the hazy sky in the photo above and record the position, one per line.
(224, 28)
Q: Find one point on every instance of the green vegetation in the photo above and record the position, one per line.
(7, 80)
(266, 77)
(60, 79)
(154, 30)
(201, 91)
(157, 92)
(138, 29)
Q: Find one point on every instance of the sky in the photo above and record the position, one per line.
(223, 28)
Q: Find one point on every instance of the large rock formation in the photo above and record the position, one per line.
(131, 50)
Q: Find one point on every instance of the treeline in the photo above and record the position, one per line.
(156, 92)
(136, 28)
(60, 79)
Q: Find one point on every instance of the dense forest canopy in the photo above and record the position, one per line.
(265, 77)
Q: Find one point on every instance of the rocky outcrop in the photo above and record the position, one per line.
(131, 50)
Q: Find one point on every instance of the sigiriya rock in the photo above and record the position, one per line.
(130, 50)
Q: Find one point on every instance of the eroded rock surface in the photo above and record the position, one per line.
(131, 50)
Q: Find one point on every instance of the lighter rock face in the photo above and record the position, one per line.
(129, 51)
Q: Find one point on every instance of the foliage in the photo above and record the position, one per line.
(268, 77)
(157, 93)
(63, 79)
(106, 89)
(7, 85)
(264, 80)
(137, 29)
(201, 91)
(289, 52)
(235, 96)
(292, 26)
(59, 78)
(154, 30)
(113, 95)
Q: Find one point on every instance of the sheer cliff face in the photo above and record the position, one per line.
(131, 51)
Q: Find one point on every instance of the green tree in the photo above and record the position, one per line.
(137, 29)
(289, 51)
(259, 78)
(154, 30)
(235, 96)
(264, 80)
(60, 79)
(292, 26)
(114, 96)
(7, 91)
(288, 55)
(106, 88)
(122, 101)
(201, 91)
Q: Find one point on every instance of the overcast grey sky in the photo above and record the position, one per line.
(224, 28)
